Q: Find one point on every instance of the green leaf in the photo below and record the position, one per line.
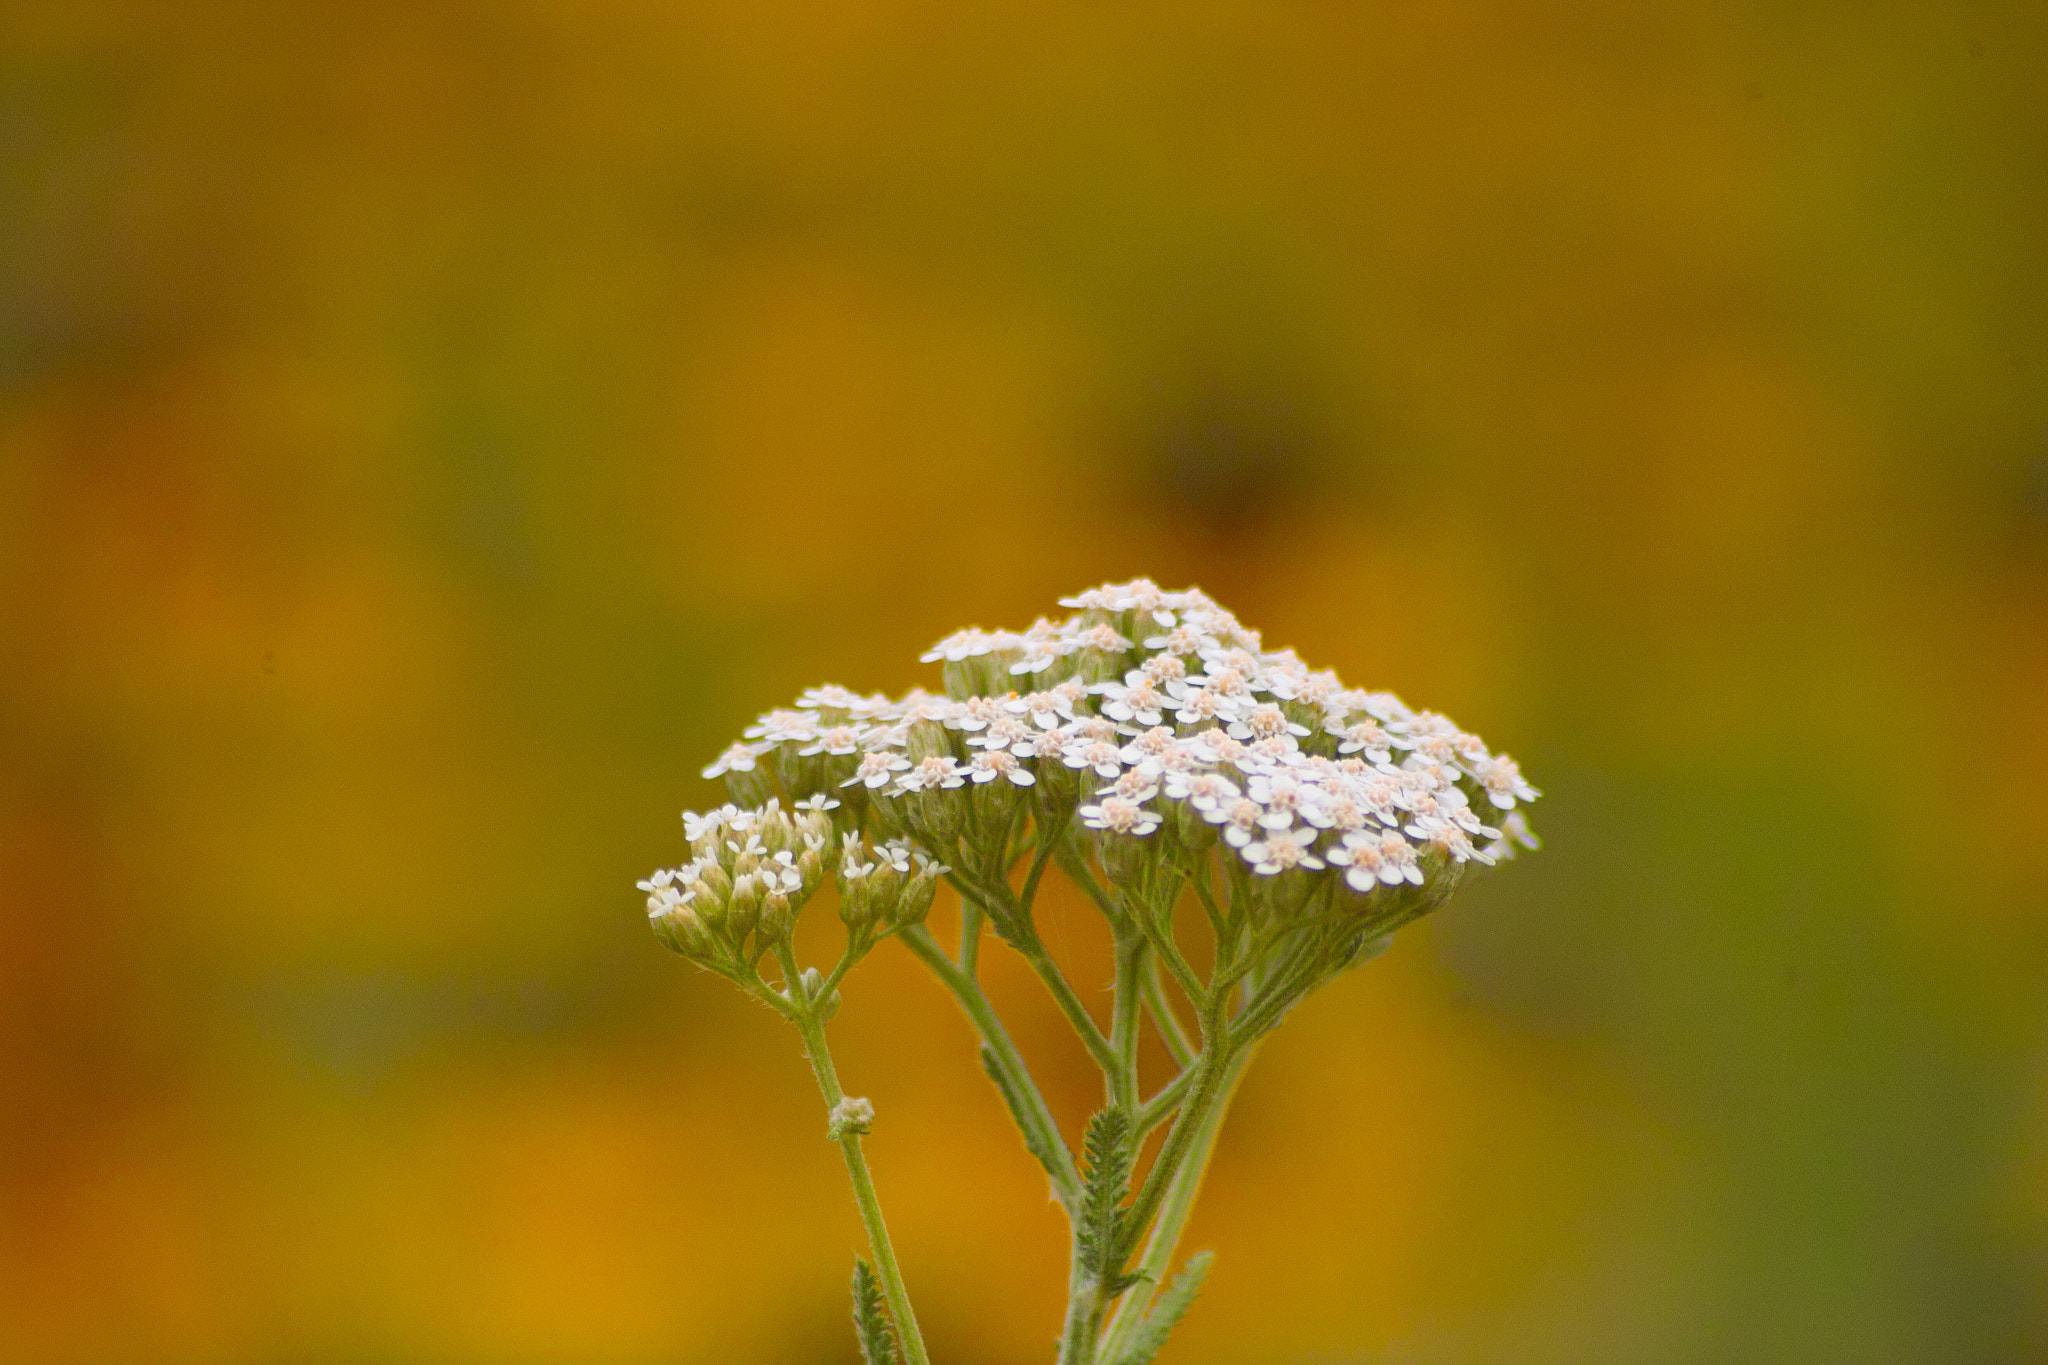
(1032, 1142)
(1168, 1311)
(870, 1321)
(1103, 1235)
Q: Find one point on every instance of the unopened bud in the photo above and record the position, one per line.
(928, 739)
(853, 1114)
(816, 827)
(743, 911)
(777, 918)
(915, 901)
(679, 929)
(810, 866)
(778, 832)
(717, 885)
(752, 787)
(857, 899)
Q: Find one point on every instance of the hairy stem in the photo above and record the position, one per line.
(893, 1290)
(1120, 1087)
(1174, 1209)
(1044, 1132)
(1178, 1045)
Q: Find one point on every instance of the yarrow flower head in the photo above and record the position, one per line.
(1149, 747)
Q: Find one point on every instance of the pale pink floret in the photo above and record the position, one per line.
(995, 763)
(837, 739)
(877, 767)
(1283, 852)
(739, 758)
(1119, 816)
(1504, 782)
(1100, 755)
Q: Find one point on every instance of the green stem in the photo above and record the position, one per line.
(970, 937)
(813, 1030)
(1178, 1045)
(1179, 1202)
(1164, 1101)
(1045, 1134)
(1121, 1084)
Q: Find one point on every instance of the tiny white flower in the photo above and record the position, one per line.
(1400, 860)
(1138, 703)
(1282, 852)
(1100, 637)
(990, 764)
(1161, 670)
(1153, 744)
(832, 697)
(1120, 816)
(938, 772)
(776, 726)
(877, 767)
(1239, 818)
(1282, 799)
(1366, 737)
(1002, 732)
(835, 739)
(737, 759)
(965, 644)
(1363, 864)
(1200, 706)
(1181, 641)
(1504, 783)
(1103, 757)
(1204, 791)
(1045, 709)
(1135, 785)
(1035, 656)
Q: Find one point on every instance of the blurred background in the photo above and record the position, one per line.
(430, 431)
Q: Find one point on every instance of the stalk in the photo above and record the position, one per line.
(893, 1289)
(1174, 1209)
(1044, 1131)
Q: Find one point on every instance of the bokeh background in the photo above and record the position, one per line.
(430, 430)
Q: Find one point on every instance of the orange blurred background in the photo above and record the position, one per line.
(430, 431)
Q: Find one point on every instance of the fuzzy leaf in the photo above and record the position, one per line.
(1173, 1304)
(1104, 1234)
(870, 1321)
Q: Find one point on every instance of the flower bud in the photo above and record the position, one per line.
(679, 929)
(928, 739)
(752, 787)
(851, 1115)
(810, 866)
(778, 832)
(856, 894)
(914, 902)
(778, 917)
(743, 911)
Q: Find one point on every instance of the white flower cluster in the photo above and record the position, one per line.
(1149, 709)
(751, 869)
(754, 869)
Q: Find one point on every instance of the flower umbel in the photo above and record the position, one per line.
(1149, 748)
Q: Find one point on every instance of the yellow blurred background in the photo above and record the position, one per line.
(430, 431)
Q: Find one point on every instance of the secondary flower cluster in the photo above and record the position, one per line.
(753, 870)
(1150, 715)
